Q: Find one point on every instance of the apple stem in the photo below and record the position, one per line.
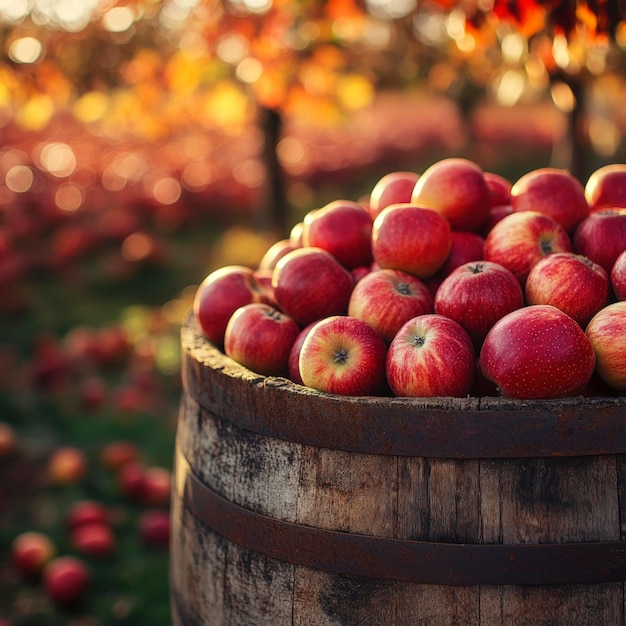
(417, 341)
(477, 268)
(341, 356)
(546, 247)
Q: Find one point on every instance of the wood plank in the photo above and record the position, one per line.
(550, 500)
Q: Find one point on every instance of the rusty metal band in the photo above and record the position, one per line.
(437, 428)
(396, 559)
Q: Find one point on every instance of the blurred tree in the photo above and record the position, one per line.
(160, 69)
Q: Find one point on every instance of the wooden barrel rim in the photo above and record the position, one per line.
(471, 427)
(456, 564)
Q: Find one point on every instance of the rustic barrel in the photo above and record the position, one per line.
(297, 507)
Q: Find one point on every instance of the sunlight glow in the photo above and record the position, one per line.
(13, 11)
(510, 88)
(118, 19)
(58, 159)
(68, 198)
(19, 178)
(25, 50)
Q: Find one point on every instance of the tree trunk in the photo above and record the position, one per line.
(276, 209)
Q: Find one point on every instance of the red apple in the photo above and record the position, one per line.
(87, 512)
(537, 352)
(606, 187)
(275, 252)
(477, 295)
(220, 294)
(310, 283)
(67, 466)
(94, 539)
(520, 240)
(66, 579)
(359, 272)
(131, 482)
(431, 355)
(553, 192)
(343, 355)
(499, 189)
(457, 189)
(260, 337)
(386, 299)
(264, 278)
(157, 486)
(618, 277)
(116, 454)
(344, 229)
(295, 234)
(393, 188)
(31, 551)
(607, 333)
(570, 282)
(8, 440)
(294, 355)
(154, 528)
(466, 247)
(496, 213)
(601, 237)
(92, 393)
(412, 239)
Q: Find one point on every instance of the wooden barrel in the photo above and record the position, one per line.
(298, 507)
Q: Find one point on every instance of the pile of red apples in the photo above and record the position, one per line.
(452, 282)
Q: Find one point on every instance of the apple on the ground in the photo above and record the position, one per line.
(456, 188)
(537, 352)
(431, 355)
(412, 239)
(84, 512)
(31, 551)
(477, 295)
(95, 539)
(343, 355)
(66, 580)
(157, 484)
(571, 282)
(154, 527)
(67, 465)
(386, 299)
(607, 333)
(521, 239)
(259, 337)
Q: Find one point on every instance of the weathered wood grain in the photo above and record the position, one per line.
(464, 500)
